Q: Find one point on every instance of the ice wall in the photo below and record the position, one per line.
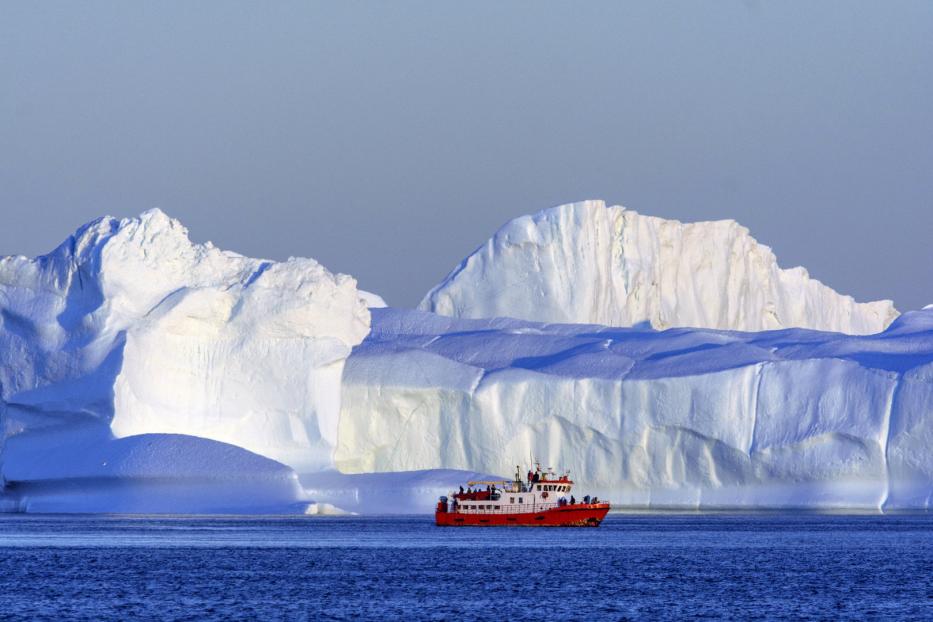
(588, 263)
(682, 417)
(130, 328)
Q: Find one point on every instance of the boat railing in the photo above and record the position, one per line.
(507, 508)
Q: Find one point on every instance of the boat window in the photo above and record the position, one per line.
(497, 507)
(519, 499)
(511, 499)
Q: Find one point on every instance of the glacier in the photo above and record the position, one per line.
(588, 263)
(679, 418)
(128, 329)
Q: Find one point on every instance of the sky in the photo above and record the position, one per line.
(389, 139)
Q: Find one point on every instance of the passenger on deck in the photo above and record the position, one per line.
(461, 490)
(573, 501)
(530, 476)
(586, 499)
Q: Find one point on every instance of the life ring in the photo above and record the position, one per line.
(544, 495)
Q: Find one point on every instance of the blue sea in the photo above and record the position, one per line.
(633, 567)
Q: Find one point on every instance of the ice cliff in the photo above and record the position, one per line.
(682, 417)
(592, 264)
(129, 329)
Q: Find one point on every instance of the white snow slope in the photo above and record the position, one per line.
(83, 469)
(678, 418)
(130, 329)
(588, 263)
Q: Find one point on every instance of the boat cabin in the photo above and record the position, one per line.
(539, 490)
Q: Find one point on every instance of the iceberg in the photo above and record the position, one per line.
(588, 263)
(679, 418)
(142, 372)
(128, 330)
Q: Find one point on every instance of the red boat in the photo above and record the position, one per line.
(543, 499)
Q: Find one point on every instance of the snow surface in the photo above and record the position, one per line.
(373, 301)
(589, 263)
(82, 469)
(129, 329)
(675, 418)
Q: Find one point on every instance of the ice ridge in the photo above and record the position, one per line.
(592, 264)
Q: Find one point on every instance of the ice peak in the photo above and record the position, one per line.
(130, 322)
(154, 221)
(587, 262)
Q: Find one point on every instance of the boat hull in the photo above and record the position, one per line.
(578, 515)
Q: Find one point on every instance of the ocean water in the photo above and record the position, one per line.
(642, 566)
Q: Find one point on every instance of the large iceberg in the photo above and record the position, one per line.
(141, 372)
(128, 329)
(592, 264)
(674, 418)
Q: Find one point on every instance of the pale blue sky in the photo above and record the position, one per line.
(388, 140)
